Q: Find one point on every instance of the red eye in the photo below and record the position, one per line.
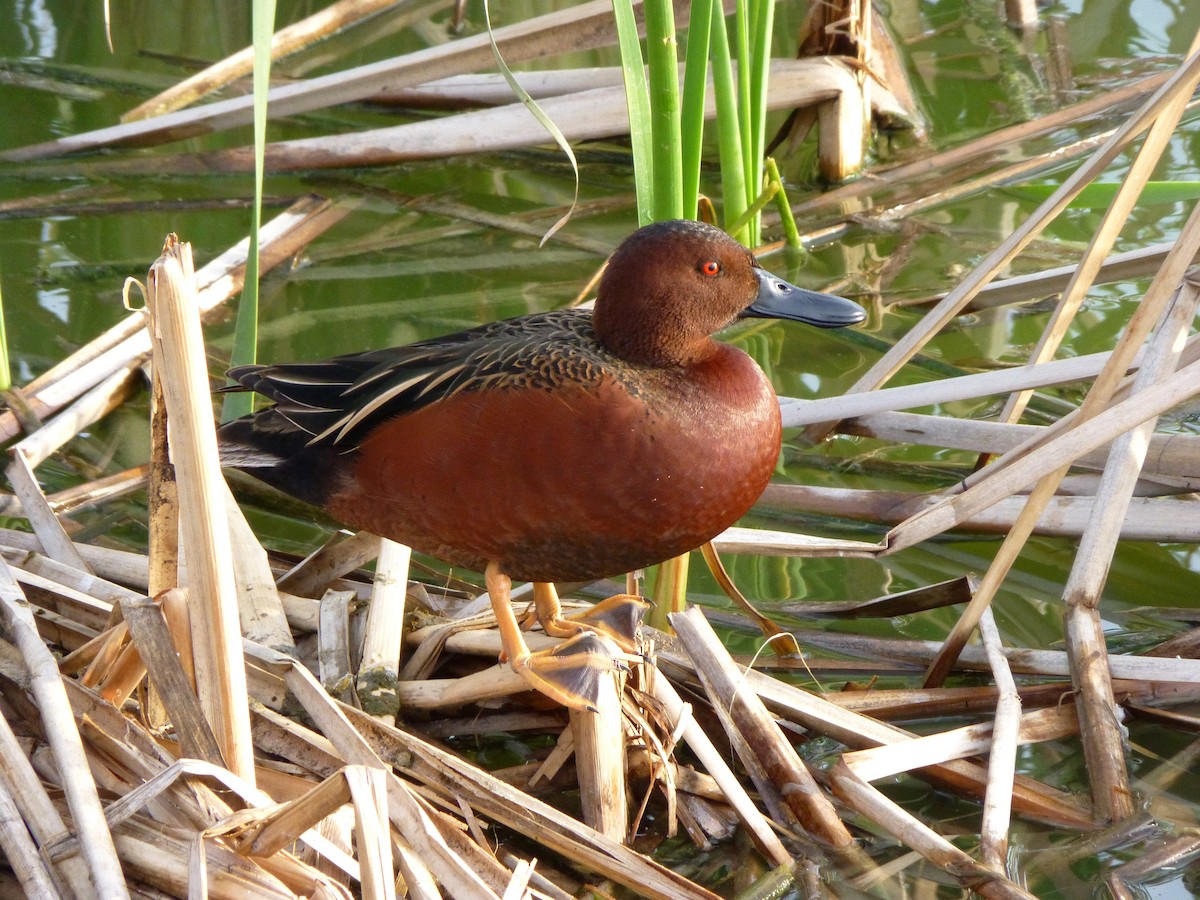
(710, 268)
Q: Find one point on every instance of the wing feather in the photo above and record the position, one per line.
(337, 401)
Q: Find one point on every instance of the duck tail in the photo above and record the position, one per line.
(272, 449)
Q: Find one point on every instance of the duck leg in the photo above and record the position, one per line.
(569, 673)
(617, 617)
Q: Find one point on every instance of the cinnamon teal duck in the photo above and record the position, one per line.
(563, 446)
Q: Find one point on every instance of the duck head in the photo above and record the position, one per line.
(671, 285)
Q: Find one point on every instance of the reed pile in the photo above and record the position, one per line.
(210, 718)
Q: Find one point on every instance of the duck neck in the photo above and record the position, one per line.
(662, 346)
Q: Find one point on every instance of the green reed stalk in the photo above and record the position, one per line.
(695, 91)
(790, 232)
(667, 127)
(245, 332)
(667, 155)
(667, 132)
(741, 48)
(729, 132)
(756, 72)
(637, 101)
(5, 370)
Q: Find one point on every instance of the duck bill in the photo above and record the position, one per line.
(778, 299)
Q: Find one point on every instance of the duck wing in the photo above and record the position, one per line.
(338, 401)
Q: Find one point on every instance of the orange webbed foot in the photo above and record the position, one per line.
(616, 618)
(569, 673)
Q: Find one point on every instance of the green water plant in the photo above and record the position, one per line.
(667, 124)
(245, 334)
(5, 370)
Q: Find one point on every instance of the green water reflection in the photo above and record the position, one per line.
(397, 271)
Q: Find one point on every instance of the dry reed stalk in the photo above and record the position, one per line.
(780, 642)
(1166, 454)
(1105, 236)
(855, 31)
(163, 859)
(51, 574)
(260, 608)
(680, 716)
(88, 409)
(115, 565)
(68, 873)
(111, 662)
(600, 753)
(311, 576)
(484, 723)
(1053, 723)
(899, 177)
(105, 649)
(179, 794)
(1003, 480)
(383, 638)
(1154, 306)
(126, 674)
(938, 703)
(429, 641)
(487, 89)
(1172, 855)
(555, 761)
(1156, 671)
(1111, 795)
(667, 770)
(487, 684)
(947, 390)
(942, 194)
(1127, 266)
(788, 543)
(82, 496)
(52, 596)
(128, 342)
(279, 824)
(452, 777)
(333, 646)
(1147, 518)
(743, 713)
(204, 527)
(63, 737)
(174, 608)
(997, 809)
(162, 495)
(410, 820)
(296, 36)
(582, 27)
(942, 313)
(590, 114)
(843, 125)
(866, 800)
(20, 852)
(41, 517)
(150, 634)
(854, 730)
(932, 596)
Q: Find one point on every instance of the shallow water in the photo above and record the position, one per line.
(394, 272)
